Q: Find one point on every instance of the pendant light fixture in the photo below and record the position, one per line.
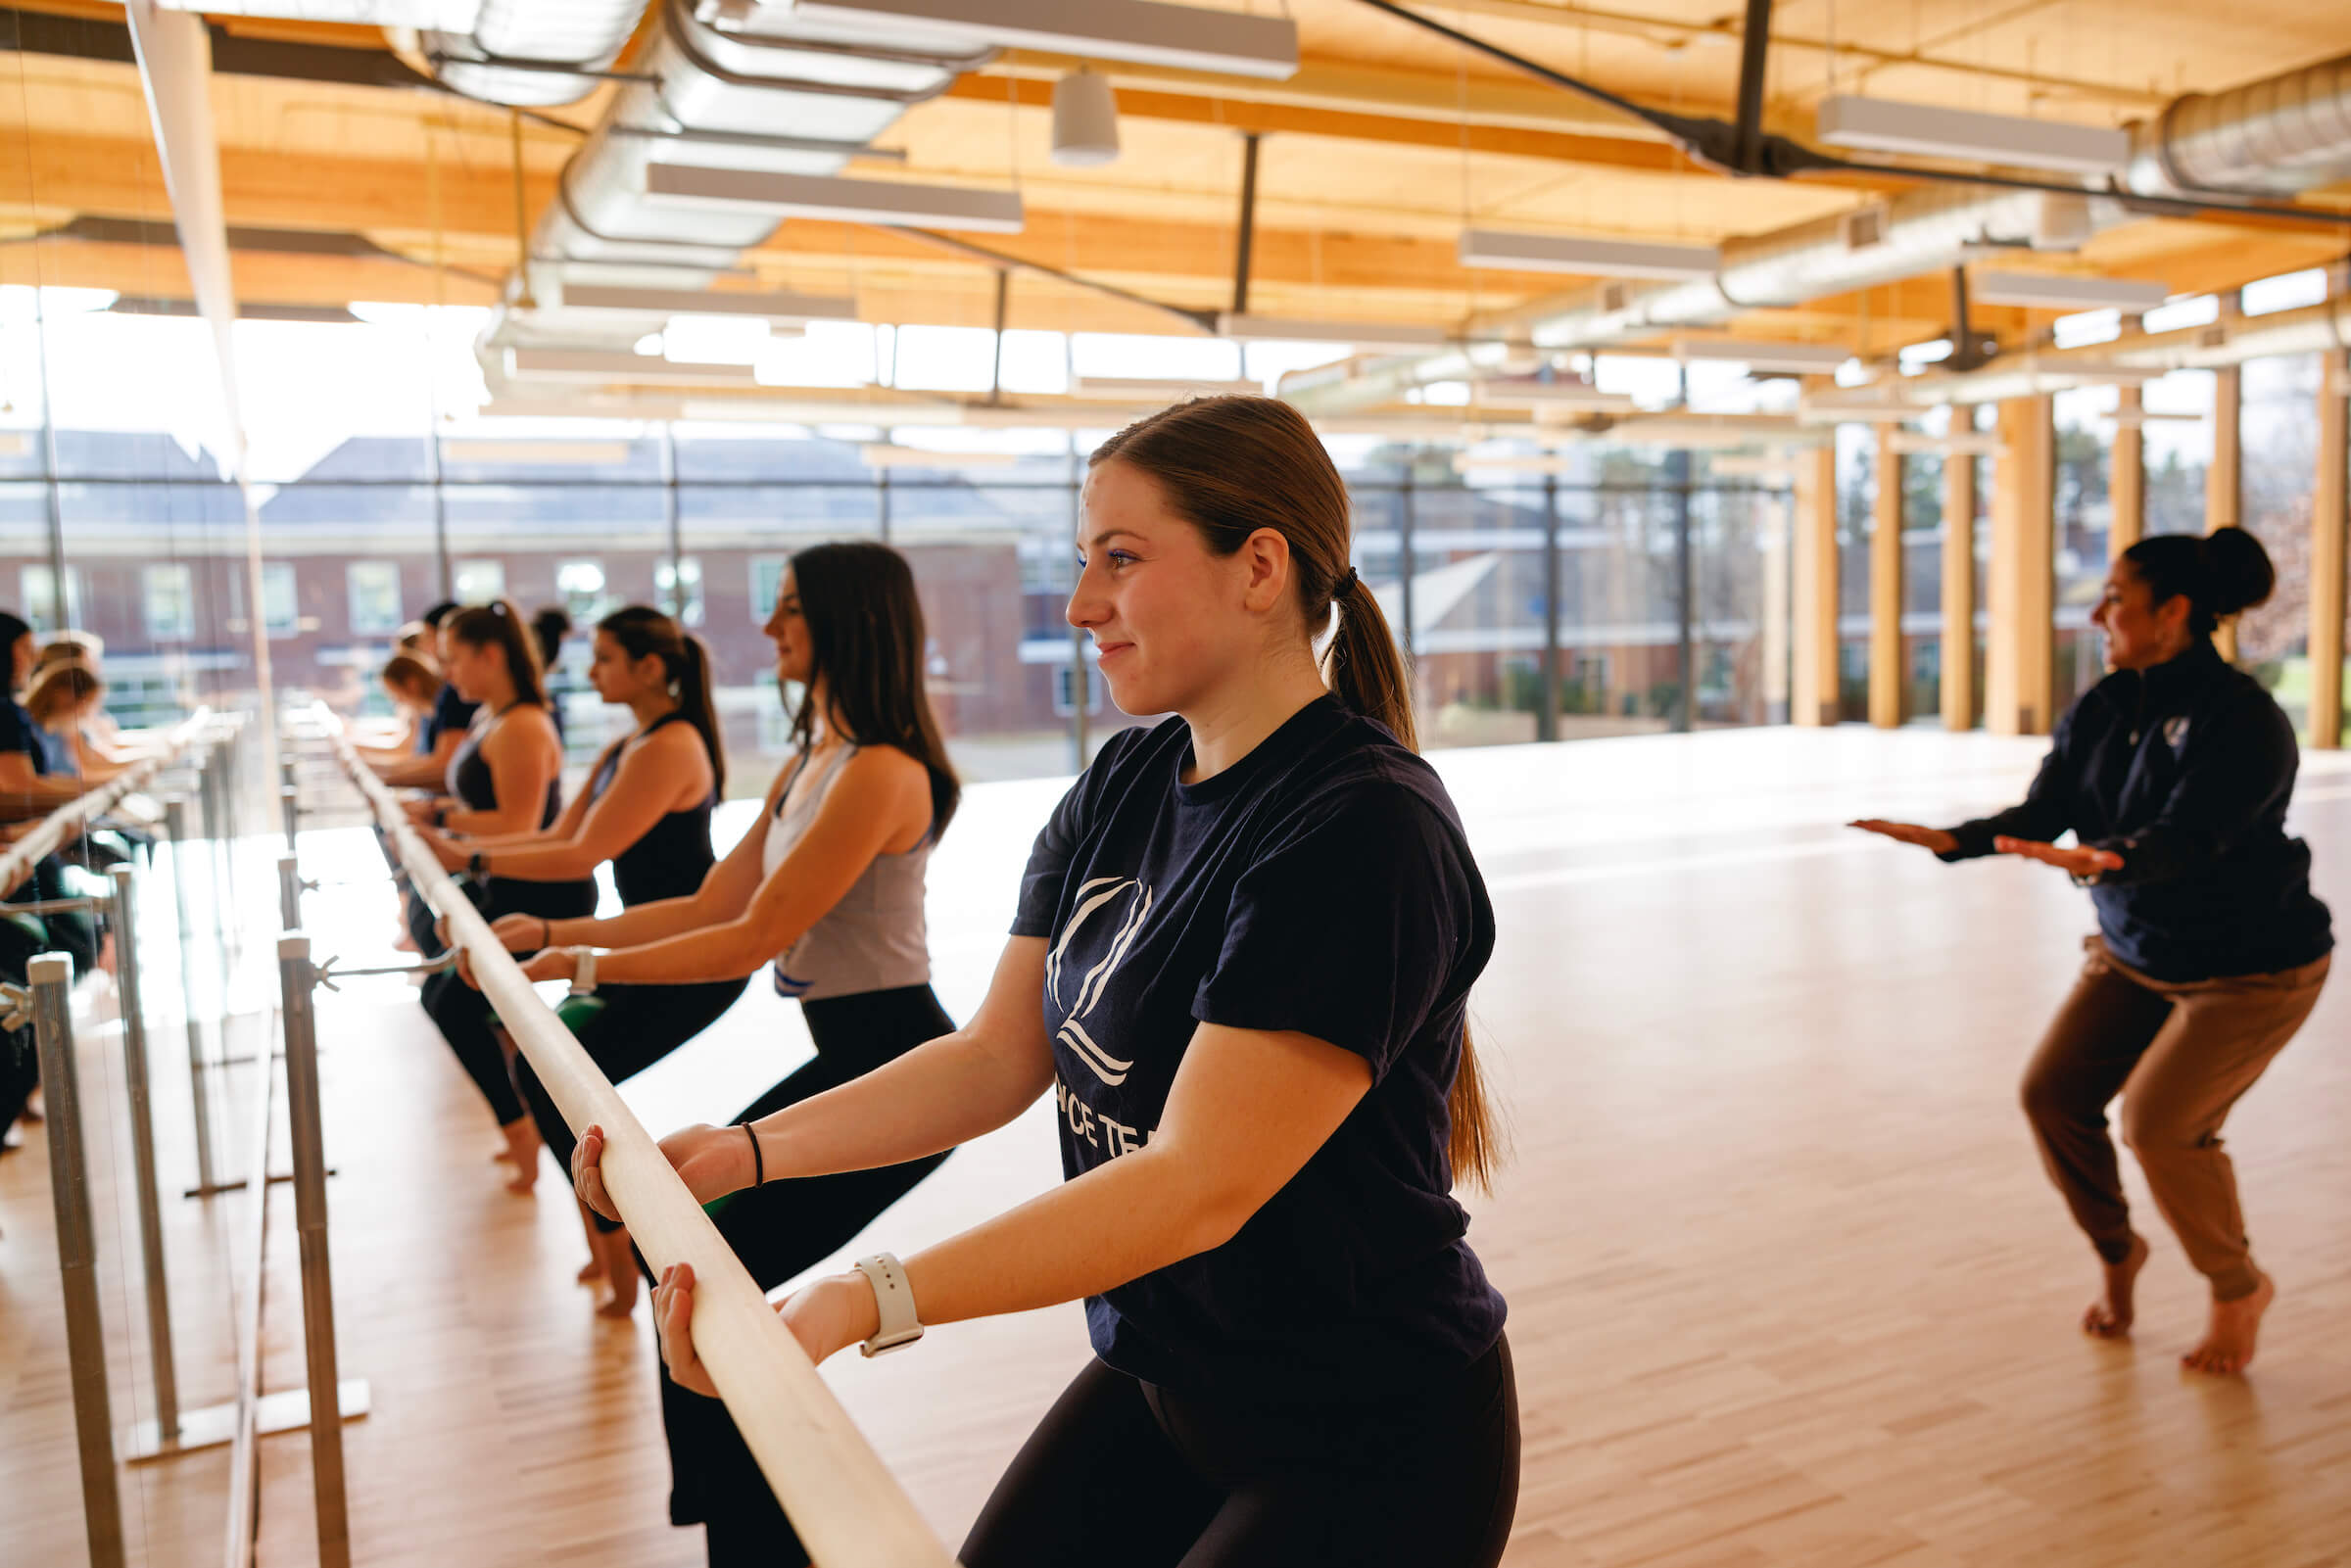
(1086, 120)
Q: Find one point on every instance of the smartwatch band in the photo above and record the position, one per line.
(895, 1299)
(583, 977)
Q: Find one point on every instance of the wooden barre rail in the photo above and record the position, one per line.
(20, 858)
(849, 1511)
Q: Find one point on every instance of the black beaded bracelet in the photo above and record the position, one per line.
(758, 1161)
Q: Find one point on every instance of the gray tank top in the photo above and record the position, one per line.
(874, 939)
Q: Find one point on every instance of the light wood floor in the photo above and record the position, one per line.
(1787, 1284)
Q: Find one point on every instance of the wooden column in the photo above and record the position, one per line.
(1885, 672)
(1814, 699)
(1958, 591)
(2328, 526)
(2021, 590)
(2127, 484)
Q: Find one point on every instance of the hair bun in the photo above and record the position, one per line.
(2238, 571)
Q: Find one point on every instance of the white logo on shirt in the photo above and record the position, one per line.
(2174, 731)
(1096, 895)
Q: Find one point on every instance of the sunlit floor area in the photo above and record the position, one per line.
(1787, 1283)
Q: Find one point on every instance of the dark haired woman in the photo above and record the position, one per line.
(1251, 930)
(505, 778)
(551, 624)
(446, 727)
(2174, 775)
(647, 811)
(828, 885)
(37, 777)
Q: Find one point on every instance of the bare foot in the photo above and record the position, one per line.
(592, 1272)
(622, 1301)
(2227, 1347)
(522, 1148)
(2109, 1316)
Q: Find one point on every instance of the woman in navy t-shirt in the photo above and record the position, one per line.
(1251, 930)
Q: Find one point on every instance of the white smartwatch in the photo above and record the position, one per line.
(895, 1299)
(583, 974)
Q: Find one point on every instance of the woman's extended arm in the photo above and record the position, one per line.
(1248, 1108)
(653, 778)
(95, 765)
(937, 1095)
(523, 761)
(880, 794)
(426, 772)
(25, 791)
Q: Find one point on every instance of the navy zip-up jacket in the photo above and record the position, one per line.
(2184, 769)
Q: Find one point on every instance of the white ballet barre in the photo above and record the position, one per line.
(849, 1511)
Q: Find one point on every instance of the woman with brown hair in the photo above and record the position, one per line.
(504, 778)
(2174, 775)
(1241, 962)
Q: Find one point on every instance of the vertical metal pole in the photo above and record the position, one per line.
(432, 458)
(59, 609)
(289, 810)
(1081, 682)
(289, 893)
(124, 912)
(1247, 242)
(677, 537)
(882, 504)
(1547, 723)
(296, 980)
(176, 828)
(52, 976)
(995, 376)
(1685, 574)
(1404, 557)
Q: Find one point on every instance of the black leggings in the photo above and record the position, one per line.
(633, 1027)
(781, 1230)
(1124, 1472)
(463, 1013)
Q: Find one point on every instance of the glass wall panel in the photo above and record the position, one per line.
(2085, 514)
(2280, 425)
(1922, 585)
(1856, 510)
(1477, 614)
(1738, 538)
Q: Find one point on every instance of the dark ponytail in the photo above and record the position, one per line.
(2220, 574)
(644, 632)
(1232, 466)
(499, 625)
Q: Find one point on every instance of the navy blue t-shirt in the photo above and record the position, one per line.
(49, 753)
(1321, 884)
(452, 715)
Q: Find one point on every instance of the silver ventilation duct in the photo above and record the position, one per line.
(518, 49)
(2290, 133)
(2272, 138)
(770, 95)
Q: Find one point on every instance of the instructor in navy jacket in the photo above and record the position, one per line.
(2174, 775)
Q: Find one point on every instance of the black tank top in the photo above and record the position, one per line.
(675, 854)
(470, 780)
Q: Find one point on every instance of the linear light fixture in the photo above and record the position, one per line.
(589, 365)
(1959, 444)
(1243, 328)
(1824, 410)
(778, 306)
(1147, 388)
(1544, 397)
(2051, 291)
(1790, 358)
(851, 200)
(1884, 125)
(1143, 31)
(1568, 253)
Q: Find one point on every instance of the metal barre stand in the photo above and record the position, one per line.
(172, 1432)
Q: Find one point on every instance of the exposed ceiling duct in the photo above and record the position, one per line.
(532, 53)
(768, 96)
(2290, 133)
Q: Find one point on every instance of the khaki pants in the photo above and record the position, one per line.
(2180, 1055)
